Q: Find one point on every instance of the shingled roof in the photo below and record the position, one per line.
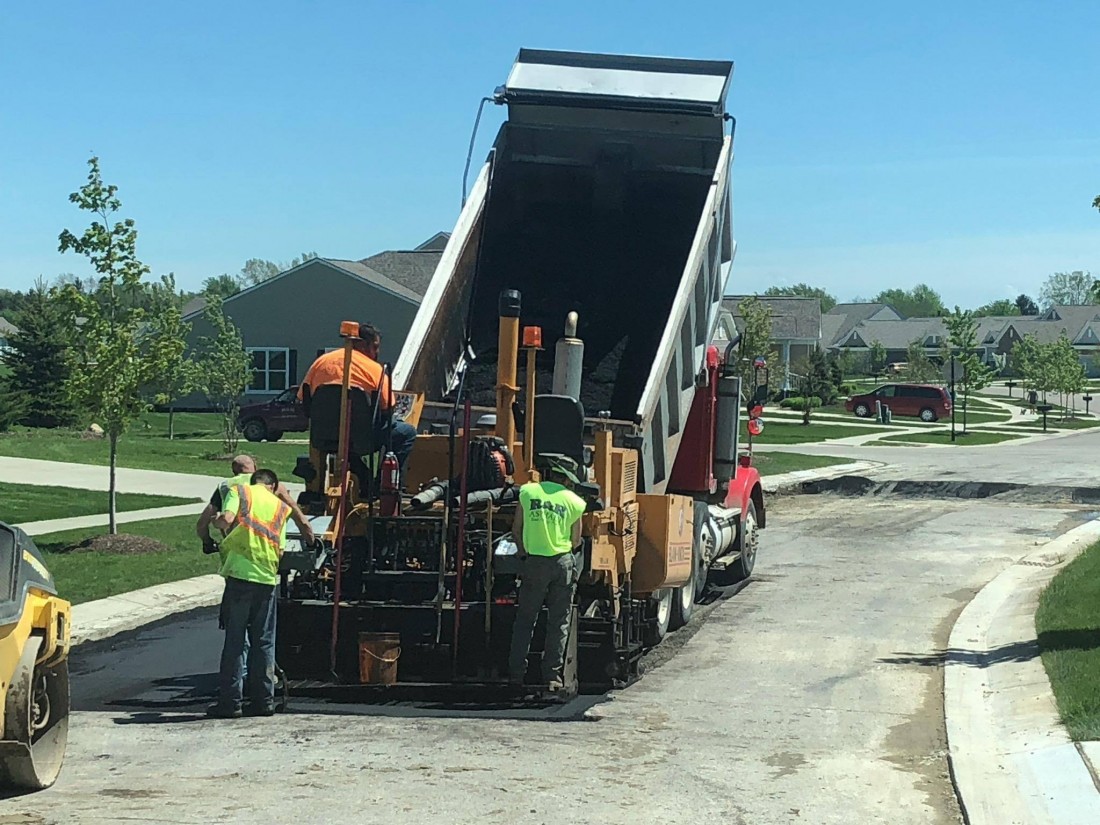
(369, 273)
(793, 318)
(413, 269)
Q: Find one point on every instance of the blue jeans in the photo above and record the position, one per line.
(402, 436)
(248, 610)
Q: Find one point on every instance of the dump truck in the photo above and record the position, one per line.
(602, 215)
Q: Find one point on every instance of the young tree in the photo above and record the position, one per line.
(919, 366)
(962, 343)
(877, 354)
(112, 365)
(815, 382)
(168, 347)
(223, 369)
(1032, 361)
(1068, 289)
(1068, 377)
(756, 341)
(41, 363)
(1026, 306)
(800, 290)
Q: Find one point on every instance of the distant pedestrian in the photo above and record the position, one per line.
(252, 551)
(1032, 400)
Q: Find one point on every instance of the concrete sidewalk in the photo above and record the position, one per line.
(38, 528)
(1012, 760)
(95, 477)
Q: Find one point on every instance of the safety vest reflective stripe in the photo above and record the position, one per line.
(269, 531)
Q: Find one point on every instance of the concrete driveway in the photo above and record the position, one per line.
(1071, 459)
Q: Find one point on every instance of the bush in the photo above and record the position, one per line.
(798, 402)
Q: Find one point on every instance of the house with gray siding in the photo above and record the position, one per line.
(796, 326)
(288, 320)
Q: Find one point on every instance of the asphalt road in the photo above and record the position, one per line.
(813, 695)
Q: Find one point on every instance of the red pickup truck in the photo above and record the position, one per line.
(268, 420)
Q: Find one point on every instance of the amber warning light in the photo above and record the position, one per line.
(349, 329)
(532, 337)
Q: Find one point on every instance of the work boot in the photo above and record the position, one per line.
(219, 711)
(254, 709)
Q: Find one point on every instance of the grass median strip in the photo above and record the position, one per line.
(790, 432)
(1055, 424)
(771, 464)
(23, 503)
(974, 438)
(86, 575)
(1068, 624)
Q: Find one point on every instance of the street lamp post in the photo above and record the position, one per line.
(952, 397)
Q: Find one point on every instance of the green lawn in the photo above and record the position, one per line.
(977, 417)
(970, 439)
(771, 464)
(22, 503)
(146, 452)
(84, 576)
(1068, 623)
(793, 432)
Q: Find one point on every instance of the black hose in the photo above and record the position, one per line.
(470, 151)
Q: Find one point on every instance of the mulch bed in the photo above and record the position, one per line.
(120, 545)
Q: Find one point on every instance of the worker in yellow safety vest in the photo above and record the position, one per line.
(256, 520)
(547, 532)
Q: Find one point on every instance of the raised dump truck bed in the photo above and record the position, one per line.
(606, 193)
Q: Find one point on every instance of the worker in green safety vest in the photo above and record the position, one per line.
(547, 532)
(256, 520)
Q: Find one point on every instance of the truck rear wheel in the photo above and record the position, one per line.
(683, 599)
(657, 628)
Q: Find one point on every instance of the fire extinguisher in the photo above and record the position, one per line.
(390, 489)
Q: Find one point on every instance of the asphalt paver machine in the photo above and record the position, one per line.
(602, 212)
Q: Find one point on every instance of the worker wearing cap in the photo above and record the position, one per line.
(366, 374)
(242, 467)
(256, 519)
(546, 530)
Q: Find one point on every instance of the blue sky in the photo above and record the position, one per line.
(878, 144)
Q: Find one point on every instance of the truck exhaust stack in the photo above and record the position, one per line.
(569, 361)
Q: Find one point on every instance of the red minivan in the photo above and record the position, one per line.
(924, 401)
(270, 419)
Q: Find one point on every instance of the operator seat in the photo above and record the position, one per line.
(559, 426)
(324, 427)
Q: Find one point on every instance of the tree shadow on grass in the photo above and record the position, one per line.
(1048, 641)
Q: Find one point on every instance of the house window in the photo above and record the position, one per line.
(270, 369)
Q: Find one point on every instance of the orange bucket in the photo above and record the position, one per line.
(378, 655)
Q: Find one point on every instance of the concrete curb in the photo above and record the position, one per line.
(1011, 759)
(104, 618)
(792, 482)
